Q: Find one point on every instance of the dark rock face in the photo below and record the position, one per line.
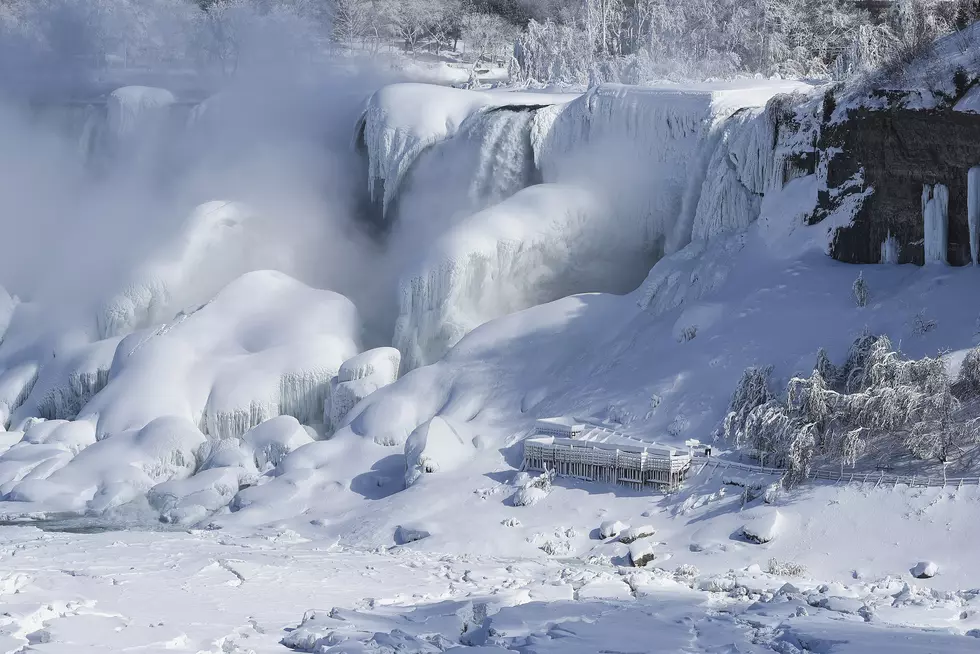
(897, 151)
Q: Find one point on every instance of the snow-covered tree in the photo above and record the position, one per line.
(860, 290)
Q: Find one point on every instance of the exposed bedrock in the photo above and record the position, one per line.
(897, 153)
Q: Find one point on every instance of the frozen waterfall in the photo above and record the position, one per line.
(629, 175)
(935, 202)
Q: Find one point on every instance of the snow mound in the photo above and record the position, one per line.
(218, 242)
(108, 473)
(265, 346)
(187, 501)
(435, 445)
(763, 527)
(925, 570)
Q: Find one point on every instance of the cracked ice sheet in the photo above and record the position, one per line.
(215, 592)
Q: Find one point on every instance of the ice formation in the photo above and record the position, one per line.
(218, 242)
(402, 120)
(973, 213)
(545, 242)
(630, 175)
(935, 202)
(106, 474)
(66, 383)
(890, 249)
(266, 345)
(357, 378)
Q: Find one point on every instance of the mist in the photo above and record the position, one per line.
(263, 116)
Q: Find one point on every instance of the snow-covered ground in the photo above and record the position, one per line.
(298, 468)
(208, 591)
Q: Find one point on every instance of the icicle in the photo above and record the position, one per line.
(890, 249)
(973, 209)
(935, 201)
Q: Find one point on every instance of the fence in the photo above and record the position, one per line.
(845, 477)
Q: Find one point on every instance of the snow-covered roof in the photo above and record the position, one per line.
(560, 422)
(607, 440)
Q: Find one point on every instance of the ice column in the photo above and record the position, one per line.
(973, 209)
(935, 202)
(889, 249)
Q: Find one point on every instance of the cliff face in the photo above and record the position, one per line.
(896, 152)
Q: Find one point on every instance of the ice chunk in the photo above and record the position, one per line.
(409, 534)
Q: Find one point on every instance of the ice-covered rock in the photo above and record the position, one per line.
(642, 552)
(402, 120)
(67, 382)
(532, 490)
(435, 445)
(925, 570)
(265, 346)
(274, 439)
(631, 534)
(612, 528)
(359, 377)
(762, 527)
(186, 501)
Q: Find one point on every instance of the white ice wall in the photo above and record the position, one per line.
(935, 203)
(973, 213)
